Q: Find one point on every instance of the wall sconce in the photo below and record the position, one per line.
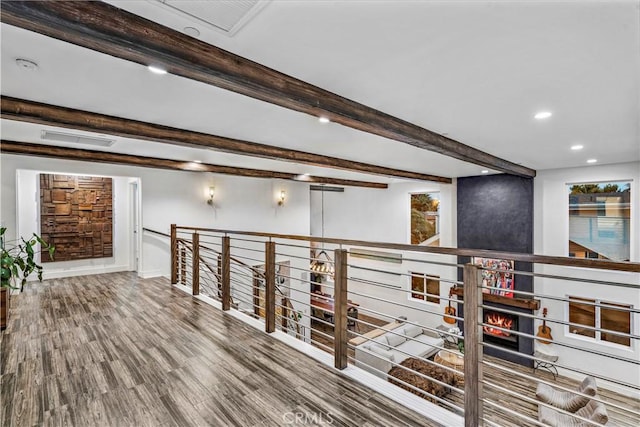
(283, 195)
(212, 191)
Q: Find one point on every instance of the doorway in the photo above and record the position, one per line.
(135, 224)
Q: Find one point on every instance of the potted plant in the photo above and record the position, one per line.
(18, 262)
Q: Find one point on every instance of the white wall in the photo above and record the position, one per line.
(384, 216)
(551, 201)
(380, 215)
(551, 225)
(28, 219)
(178, 197)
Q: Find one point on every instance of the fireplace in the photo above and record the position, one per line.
(496, 326)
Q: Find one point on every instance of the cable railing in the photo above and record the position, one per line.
(473, 338)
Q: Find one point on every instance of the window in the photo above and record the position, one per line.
(425, 219)
(599, 220)
(425, 287)
(610, 316)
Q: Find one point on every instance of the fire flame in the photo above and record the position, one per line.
(500, 321)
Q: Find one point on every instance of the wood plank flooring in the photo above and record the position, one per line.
(115, 350)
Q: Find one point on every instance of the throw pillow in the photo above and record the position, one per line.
(395, 340)
(382, 340)
(412, 331)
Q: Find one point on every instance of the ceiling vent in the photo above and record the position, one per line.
(227, 16)
(76, 139)
(327, 188)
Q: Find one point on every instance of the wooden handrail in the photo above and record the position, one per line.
(633, 267)
(148, 230)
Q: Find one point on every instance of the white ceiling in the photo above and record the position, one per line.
(475, 70)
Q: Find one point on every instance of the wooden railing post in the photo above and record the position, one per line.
(472, 347)
(284, 319)
(182, 277)
(195, 263)
(340, 309)
(270, 290)
(226, 273)
(174, 255)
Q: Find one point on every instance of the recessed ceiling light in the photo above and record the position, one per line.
(191, 31)
(323, 120)
(543, 115)
(592, 160)
(26, 64)
(156, 70)
(484, 171)
(577, 147)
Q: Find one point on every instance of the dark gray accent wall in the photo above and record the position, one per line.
(496, 212)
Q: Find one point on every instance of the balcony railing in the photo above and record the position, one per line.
(366, 315)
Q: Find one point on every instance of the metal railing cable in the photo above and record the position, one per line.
(402, 305)
(516, 256)
(563, 366)
(551, 320)
(563, 388)
(377, 290)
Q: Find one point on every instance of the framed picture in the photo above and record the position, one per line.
(502, 281)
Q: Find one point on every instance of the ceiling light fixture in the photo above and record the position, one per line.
(322, 263)
(592, 161)
(197, 161)
(323, 120)
(156, 70)
(484, 171)
(543, 115)
(577, 147)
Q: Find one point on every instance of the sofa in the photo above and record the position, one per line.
(382, 353)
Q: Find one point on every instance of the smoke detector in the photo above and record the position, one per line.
(26, 64)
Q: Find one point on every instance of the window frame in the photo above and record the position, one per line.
(426, 278)
(598, 322)
(432, 193)
(574, 213)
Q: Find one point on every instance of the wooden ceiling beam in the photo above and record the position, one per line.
(105, 28)
(45, 114)
(41, 150)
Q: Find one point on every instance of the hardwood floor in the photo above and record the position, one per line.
(121, 351)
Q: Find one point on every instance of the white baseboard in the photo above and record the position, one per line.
(148, 274)
(81, 271)
(403, 397)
